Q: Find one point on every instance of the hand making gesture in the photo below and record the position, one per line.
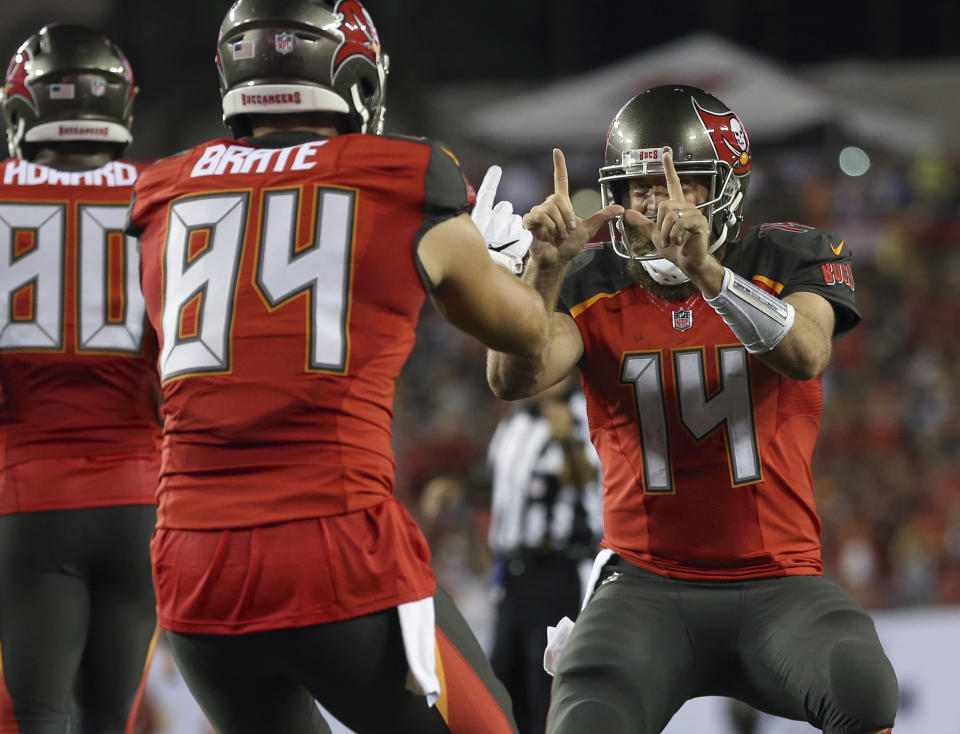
(558, 233)
(681, 233)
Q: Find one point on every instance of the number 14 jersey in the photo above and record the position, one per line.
(706, 451)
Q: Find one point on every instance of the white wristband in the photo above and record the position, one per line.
(758, 319)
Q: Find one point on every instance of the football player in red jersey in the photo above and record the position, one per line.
(284, 271)
(700, 355)
(79, 426)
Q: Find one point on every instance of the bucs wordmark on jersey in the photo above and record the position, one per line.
(281, 276)
(78, 380)
(706, 451)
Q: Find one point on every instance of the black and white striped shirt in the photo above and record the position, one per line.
(531, 508)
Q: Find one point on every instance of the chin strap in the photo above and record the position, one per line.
(664, 272)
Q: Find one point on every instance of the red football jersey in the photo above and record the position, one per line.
(78, 377)
(706, 451)
(282, 277)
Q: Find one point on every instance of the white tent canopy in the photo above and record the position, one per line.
(773, 102)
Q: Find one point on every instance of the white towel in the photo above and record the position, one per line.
(557, 637)
(417, 625)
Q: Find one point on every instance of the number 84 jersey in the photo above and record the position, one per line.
(282, 278)
(706, 451)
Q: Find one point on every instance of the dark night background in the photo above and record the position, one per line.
(171, 44)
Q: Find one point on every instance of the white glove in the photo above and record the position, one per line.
(557, 639)
(507, 240)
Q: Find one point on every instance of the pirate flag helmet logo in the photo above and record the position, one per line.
(728, 136)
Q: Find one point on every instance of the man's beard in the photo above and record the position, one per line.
(667, 292)
(639, 244)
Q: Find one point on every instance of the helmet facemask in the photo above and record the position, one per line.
(721, 208)
(707, 140)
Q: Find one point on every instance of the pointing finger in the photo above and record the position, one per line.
(674, 187)
(561, 189)
(561, 182)
(601, 217)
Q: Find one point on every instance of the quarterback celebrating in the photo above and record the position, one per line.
(700, 354)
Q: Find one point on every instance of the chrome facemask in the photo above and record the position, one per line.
(649, 162)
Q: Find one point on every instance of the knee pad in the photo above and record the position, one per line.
(864, 688)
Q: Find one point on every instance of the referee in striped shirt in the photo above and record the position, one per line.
(546, 525)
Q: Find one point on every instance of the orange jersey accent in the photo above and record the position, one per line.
(284, 285)
(77, 356)
(706, 451)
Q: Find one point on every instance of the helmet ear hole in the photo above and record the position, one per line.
(366, 88)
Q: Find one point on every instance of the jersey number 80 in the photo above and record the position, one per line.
(33, 257)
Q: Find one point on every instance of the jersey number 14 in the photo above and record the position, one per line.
(730, 408)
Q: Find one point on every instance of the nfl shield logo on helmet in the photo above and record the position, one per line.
(682, 319)
(98, 87)
(283, 42)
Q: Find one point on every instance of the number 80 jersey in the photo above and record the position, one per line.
(281, 276)
(77, 375)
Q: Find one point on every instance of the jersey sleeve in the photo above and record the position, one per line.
(446, 194)
(594, 271)
(446, 190)
(824, 266)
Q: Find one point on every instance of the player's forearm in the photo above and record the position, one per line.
(790, 335)
(515, 376)
(509, 318)
(526, 333)
(803, 353)
(511, 377)
(708, 276)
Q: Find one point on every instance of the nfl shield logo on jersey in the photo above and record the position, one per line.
(682, 319)
(284, 43)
